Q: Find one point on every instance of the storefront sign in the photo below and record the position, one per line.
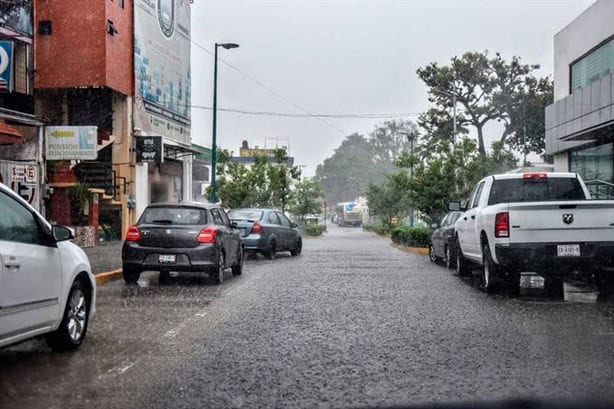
(149, 149)
(71, 142)
(16, 15)
(23, 178)
(162, 67)
(6, 66)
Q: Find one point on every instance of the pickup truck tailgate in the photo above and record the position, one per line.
(562, 222)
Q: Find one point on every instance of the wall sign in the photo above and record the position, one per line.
(71, 142)
(6, 66)
(149, 149)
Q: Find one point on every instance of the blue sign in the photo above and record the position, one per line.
(6, 66)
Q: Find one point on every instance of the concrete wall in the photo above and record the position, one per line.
(583, 34)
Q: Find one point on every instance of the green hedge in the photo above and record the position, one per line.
(411, 236)
(379, 228)
(314, 229)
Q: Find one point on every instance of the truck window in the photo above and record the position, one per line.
(477, 196)
(535, 190)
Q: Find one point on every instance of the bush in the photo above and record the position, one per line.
(378, 228)
(411, 236)
(314, 229)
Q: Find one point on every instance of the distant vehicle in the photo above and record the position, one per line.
(541, 222)
(267, 231)
(182, 237)
(442, 240)
(46, 282)
(348, 214)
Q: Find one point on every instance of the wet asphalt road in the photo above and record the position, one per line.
(352, 322)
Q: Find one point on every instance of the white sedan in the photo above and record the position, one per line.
(46, 283)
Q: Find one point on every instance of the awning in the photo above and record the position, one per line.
(9, 134)
(173, 150)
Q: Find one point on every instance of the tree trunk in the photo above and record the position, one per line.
(481, 147)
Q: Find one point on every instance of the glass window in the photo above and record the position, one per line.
(249, 215)
(594, 163)
(284, 220)
(535, 190)
(595, 65)
(17, 223)
(174, 215)
(217, 218)
(476, 199)
(224, 216)
(273, 219)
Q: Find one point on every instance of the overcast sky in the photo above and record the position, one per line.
(336, 57)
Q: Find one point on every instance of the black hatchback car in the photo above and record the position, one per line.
(267, 231)
(182, 237)
(442, 240)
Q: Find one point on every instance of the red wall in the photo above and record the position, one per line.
(80, 52)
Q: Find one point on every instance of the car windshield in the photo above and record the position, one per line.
(251, 215)
(535, 190)
(174, 215)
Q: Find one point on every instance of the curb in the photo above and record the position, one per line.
(417, 250)
(107, 276)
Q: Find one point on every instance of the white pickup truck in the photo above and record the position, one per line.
(538, 222)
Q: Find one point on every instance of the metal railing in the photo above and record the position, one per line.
(600, 189)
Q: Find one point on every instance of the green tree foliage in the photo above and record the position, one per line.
(361, 160)
(486, 90)
(391, 199)
(306, 198)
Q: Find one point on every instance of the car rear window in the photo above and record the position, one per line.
(535, 190)
(174, 215)
(245, 215)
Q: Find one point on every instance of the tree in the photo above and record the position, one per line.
(486, 90)
(306, 198)
(280, 178)
(390, 200)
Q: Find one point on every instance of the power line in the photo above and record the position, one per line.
(290, 115)
(249, 77)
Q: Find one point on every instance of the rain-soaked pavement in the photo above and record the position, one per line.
(352, 322)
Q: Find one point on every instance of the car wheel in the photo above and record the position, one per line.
(298, 248)
(432, 256)
(237, 269)
(271, 253)
(490, 271)
(73, 327)
(449, 257)
(131, 275)
(463, 266)
(218, 275)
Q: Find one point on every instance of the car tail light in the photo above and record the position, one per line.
(257, 228)
(502, 225)
(540, 175)
(133, 234)
(207, 235)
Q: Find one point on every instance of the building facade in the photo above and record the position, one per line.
(580, 122)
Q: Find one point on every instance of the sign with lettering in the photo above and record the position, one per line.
(71, 142)
(6, 66)
(149, 149)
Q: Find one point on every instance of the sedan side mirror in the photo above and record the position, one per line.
(293, 225)
(234, 225)
(62, 233)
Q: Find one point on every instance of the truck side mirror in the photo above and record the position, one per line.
(454, 206)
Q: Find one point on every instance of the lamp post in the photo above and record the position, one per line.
(411, 137)
(227, 46)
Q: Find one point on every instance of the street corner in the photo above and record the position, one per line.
(103, 278)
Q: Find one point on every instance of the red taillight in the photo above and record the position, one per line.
(535, 175)
(133, 234)
(257, 228)
(207, 235)
(502, 225)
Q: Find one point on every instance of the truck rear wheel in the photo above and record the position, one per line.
(491, 272)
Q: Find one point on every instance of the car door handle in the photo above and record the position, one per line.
(465, 218)
(11, 263)
(473, 217)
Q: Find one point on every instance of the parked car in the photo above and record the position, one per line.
(46, 283)
(442, 240)
(182, 237)
(541, 222)
(267, 231)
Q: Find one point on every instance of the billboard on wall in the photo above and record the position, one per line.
(16, 15)
(162, 68)
(6, 66)
(71, 142)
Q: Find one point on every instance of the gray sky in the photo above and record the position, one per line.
(347, 58)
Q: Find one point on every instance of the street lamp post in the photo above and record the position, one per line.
(227, 46)
(411, 137)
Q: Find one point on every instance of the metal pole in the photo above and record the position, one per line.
(454, 122)
(411, 176)
(213, 198)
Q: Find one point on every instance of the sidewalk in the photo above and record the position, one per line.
(105, 256)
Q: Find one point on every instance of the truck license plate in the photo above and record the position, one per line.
(164, 258)
(568, 250)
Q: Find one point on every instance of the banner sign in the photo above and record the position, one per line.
(162, 68)
(149, 149)
(6, 66)
(71, 142)
(16, 15)
(23, 178)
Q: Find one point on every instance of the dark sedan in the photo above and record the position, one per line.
(442, 240)
(186, 237)
(267, 231)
